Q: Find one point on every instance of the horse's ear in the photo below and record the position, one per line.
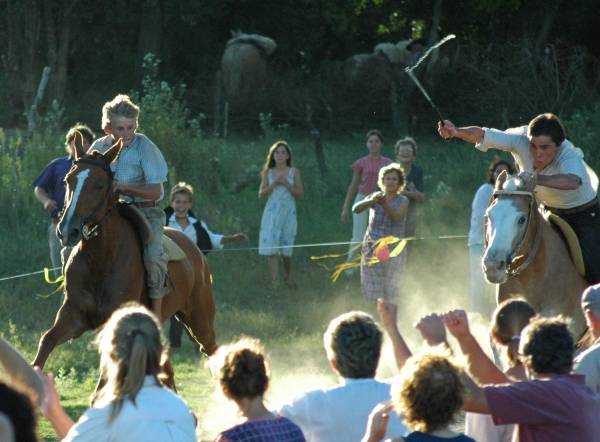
(111, 154)
(502, 177)
(78, 148)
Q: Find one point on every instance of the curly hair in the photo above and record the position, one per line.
(353, 340)
(508, 320)
(408, 141)
(244, 372)
(393, 167)
(494, 164)
(429, 392)
(548, 346)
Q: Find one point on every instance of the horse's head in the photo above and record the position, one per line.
(89, 195)
(507, 221)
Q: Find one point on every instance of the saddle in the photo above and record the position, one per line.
(142, 227)
(569, 237)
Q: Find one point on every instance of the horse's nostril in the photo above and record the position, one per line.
(74, 233)
(501, 264)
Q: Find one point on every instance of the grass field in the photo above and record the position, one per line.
(290, 323)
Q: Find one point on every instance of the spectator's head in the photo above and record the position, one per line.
(243, 372)
(374, 141)
(406, 150)
(547, 347)
(391, 169)
(429, 392)
(130, 349)
(282, 150)
(79, 135)
(508, 320)
(353, 345)
(181, 198)
(590, 304)
(496, 167)
(18, 408)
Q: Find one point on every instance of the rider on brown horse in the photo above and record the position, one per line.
(139, 171)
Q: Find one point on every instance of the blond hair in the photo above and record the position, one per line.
(130, 348)
(120, 106)
(181, 188)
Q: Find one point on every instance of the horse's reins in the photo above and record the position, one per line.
(531, 229)
(91, 232)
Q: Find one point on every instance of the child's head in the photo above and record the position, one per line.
(120, 118)
(391, 169)
(283, 150)
(374, 141)
(429, 392)
(508, 320)
(130, 348)
(406, 150)
(181, 198)
(496, 167)
(243, 372)
(87, 137)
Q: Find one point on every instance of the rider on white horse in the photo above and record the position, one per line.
(563, 182)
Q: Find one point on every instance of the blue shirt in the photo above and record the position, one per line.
(52, 181)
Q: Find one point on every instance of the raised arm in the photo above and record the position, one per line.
(388, 314)
(367, 202)
(478, 364)
(470, 134)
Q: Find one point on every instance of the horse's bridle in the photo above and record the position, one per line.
(86, 231)
(522, 255)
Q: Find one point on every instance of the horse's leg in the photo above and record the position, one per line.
(200, 319)
(67, 325)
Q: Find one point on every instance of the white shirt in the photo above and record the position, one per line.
(478, 207)
(588, 364)
(190, 231)
(159, 415)
(481, 428)
(340, 413)
(568, 160)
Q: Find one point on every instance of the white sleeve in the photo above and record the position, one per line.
(216, 239)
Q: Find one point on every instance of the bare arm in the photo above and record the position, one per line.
(474, 399)
(236, 237)
(297, 190)
(52, 408)
(470, 134)
(388, 314)
(150, 192)
(367, 202)
(413, 194)
(478, 364)
(42, 196)
(350, 193)
(559, 181)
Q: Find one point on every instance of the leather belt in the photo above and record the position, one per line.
(574, 210)
(145, 203)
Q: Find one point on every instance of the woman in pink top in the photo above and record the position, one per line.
(364, 182)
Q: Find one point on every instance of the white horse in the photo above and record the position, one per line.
(527, 256)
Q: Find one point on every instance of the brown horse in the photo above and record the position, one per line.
(527, 256)
(106, 267)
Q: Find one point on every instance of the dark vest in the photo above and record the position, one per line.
(202, 239)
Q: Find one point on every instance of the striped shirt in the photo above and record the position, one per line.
(139, 163)
(368, 169)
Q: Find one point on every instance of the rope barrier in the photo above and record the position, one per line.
(46, 270)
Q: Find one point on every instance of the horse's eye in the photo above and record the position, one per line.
(99, 186)
(522, 219)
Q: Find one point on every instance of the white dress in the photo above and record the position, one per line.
(278, 225)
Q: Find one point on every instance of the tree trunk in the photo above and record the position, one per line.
(550, 12)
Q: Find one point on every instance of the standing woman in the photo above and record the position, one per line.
(387, 217)
(132, 404)
(365, 171)
(481, 292)
(281, 185)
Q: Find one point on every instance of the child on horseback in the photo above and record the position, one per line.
(139, 172)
